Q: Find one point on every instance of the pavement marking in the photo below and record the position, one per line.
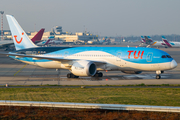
(20, 69)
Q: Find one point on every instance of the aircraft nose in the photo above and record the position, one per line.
(173, 64)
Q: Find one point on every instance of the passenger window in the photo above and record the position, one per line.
(163, 56)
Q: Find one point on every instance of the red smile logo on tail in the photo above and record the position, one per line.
(18, 42)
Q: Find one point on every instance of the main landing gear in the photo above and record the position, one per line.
(98, 74)
(70, 75)
(158, 76)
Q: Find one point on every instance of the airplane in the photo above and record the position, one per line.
(6, 44)
(147, 40)
(10, 44)
(170, 44)
(45, 42)
(56, 42)
(132, 41)
(53, 41)
(88, 61)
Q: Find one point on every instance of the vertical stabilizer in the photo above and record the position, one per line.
(20, 38)
(150, 38)
(38, 36)
(143, 39)
(47, 42)
(166, 41)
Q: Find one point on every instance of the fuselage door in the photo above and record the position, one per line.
(149, 57)
(118, 58)
(66, 53)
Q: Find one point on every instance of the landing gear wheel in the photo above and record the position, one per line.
(76, 77)
(100, 74)
(70, 75)
(158, 76)
(96, 75)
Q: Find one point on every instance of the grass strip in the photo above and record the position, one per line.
(135, 96)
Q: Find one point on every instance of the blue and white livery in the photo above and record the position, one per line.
(88, 61)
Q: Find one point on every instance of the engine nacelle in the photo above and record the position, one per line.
(83, 68)
(132, 72)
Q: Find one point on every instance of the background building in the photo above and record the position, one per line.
(58, 34)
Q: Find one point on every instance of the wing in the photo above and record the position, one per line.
(7, 43)
(38, 57)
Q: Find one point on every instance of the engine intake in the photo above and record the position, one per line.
(83, 68)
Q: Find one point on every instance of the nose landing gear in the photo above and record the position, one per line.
(158, 76)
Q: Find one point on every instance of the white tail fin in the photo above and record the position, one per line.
(20, 38)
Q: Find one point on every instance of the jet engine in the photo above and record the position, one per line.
(132, 72)
(83, 68)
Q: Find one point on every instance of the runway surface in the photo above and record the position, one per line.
(33, 75)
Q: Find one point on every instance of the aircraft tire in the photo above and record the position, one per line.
(158, 76)
(69, 75)
(76, 76)
(96, 75)
(100, 74)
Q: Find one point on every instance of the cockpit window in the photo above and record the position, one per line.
(163, 56)
(168, 56)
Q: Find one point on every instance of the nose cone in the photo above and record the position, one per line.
(173, 64)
